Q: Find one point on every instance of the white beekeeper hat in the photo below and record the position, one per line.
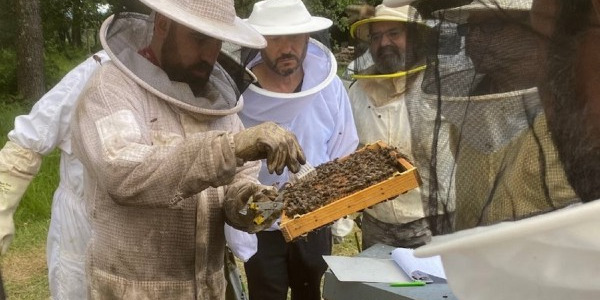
(553, 256)
(460, 14)
(285, 17)
(213, 18)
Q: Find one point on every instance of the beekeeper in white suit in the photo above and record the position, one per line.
(298, 89)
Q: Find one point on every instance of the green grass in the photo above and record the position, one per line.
(24, 267)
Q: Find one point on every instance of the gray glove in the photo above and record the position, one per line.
(269, 140)
(251, 207)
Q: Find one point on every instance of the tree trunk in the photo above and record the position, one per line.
(30, 50)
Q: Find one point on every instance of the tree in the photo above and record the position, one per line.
(30, 50)
(243, 8)
(70, 23)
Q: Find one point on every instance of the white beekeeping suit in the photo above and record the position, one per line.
(36, 135)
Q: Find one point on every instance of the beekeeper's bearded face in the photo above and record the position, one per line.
(285, 53)
(571, 91)
(186, 55)
(388, 46)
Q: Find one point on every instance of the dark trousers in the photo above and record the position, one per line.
(278, 265)
(407, 235)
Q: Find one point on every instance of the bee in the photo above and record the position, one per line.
(97, 59)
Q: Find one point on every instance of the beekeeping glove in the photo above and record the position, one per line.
(18, 166)
(269, 140)
(244, 208)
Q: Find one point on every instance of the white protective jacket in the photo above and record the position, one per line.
(388, 122)
(319, 115)
(35, 135)
(157, 159)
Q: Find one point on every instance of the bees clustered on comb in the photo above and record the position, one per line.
(341, 177)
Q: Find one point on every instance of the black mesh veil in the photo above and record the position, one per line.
(479, 134)
(232, 60)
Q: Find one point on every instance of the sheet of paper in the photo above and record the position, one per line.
(429, 265)
(365, 269)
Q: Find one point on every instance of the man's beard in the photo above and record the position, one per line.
(575, 133)
(176, 72)
(274, 65)
(389, 60)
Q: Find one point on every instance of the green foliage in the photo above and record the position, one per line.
(127, 5)
(8, 111)
(332, 9)
(7, 23)
(67, 22)
(62, 21)
(61, 52)
(243, 8)
(58, 63)
(8, 71)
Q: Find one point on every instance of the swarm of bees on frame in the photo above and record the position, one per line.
(341, 177)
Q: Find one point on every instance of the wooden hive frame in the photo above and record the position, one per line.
(398, 184)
